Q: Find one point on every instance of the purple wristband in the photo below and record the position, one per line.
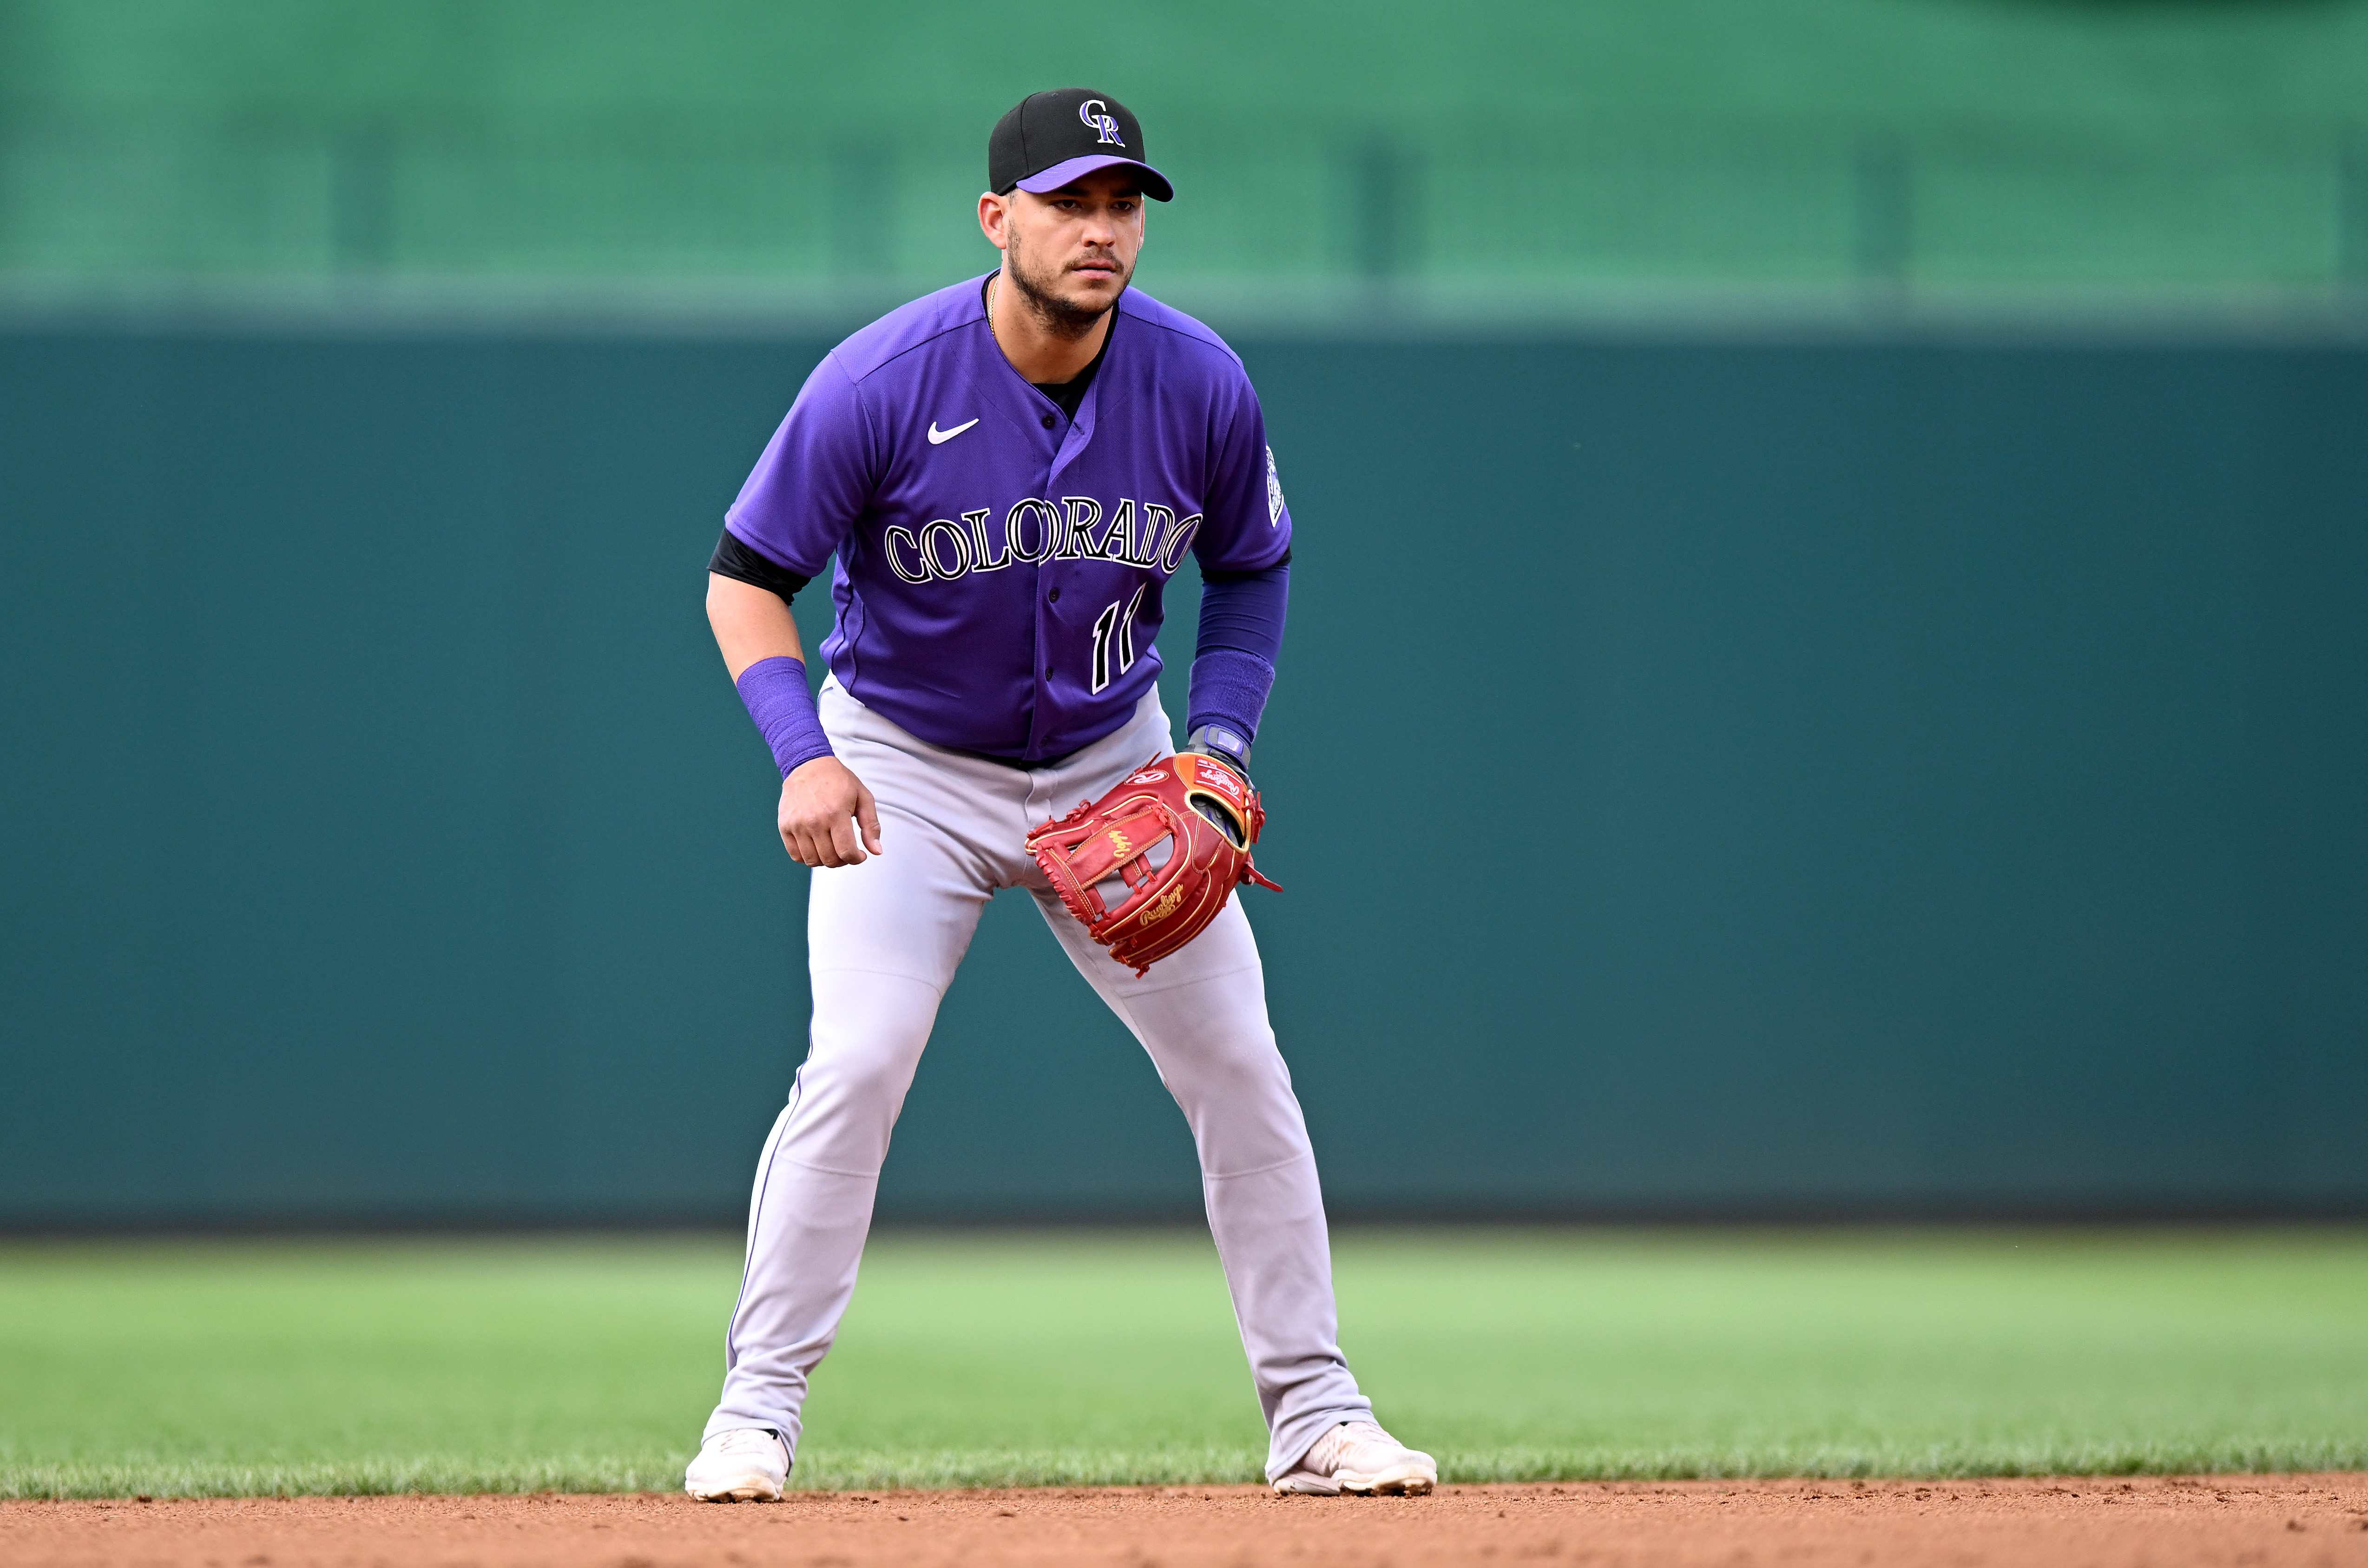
(1228, 688)
(775, 692)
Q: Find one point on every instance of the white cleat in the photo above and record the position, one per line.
(1359, 1457)
(747, 1464)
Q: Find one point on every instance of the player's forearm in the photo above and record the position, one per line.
(760, 641)
(1233, 666)
(750, 623)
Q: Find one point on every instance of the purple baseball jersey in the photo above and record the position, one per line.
(1000, 568)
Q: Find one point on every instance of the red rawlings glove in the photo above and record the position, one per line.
(1169, 844)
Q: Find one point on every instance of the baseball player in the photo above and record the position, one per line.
(1007, 471)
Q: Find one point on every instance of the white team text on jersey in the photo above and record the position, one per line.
(1035, 530)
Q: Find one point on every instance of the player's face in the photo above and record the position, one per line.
(1071, 251)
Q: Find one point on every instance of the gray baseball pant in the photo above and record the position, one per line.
(884, 940)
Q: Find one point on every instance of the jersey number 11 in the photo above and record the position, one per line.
(1113, 623)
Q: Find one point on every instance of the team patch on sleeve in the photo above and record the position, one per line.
(1273, 491)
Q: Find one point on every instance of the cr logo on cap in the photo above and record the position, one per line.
(1106, 124)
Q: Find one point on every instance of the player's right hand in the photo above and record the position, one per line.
(822, 803)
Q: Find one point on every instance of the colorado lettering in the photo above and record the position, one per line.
(1082, 514)
(1047, 520)
(1034, 530)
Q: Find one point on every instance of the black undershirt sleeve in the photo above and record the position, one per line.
(735, 560)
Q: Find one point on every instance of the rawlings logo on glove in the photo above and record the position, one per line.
(1106, 858)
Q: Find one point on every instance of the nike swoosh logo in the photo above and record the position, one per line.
(940, 438)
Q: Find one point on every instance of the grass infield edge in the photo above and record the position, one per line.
(956, 1469)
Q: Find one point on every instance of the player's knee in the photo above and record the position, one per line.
(870, 1072)
(846, 1113)
(1237, 1066)
(853, 1085)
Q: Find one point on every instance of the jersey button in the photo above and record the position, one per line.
(1055, 596)
(1047, 422)
(1048, 672)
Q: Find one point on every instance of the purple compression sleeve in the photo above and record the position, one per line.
(1241, 633)
(775, 692)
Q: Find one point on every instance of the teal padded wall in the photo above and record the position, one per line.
(1801, 777)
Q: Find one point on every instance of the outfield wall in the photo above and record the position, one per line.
(1818, 777)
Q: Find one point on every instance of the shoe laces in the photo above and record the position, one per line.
(745, 1440)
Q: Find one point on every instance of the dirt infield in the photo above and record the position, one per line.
(2232, 1520)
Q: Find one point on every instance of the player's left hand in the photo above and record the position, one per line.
(1206, 813)
(823, 806)
(1223, 745)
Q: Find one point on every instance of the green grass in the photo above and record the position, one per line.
(588, 1365)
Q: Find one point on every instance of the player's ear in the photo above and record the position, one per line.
(994, 214)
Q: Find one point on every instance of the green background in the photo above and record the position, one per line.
(1829, 676)
(1085, 1358)
(1828, 668)
(1793, 778)
(1340, 160)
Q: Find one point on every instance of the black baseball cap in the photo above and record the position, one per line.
(1050, 139)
